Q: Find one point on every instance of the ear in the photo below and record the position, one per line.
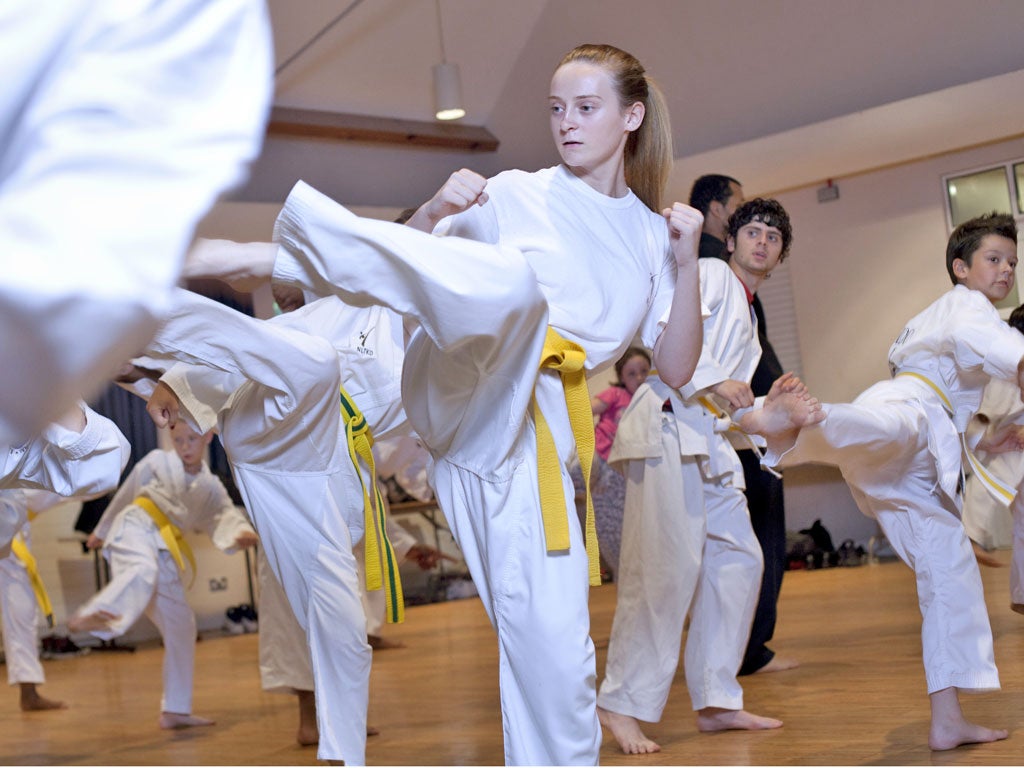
(635, 115)
(960, 268)
(730, 244)
(208, 438)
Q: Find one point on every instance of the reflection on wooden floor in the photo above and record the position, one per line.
(857, 699)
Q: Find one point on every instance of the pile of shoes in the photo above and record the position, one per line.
(60, 647)
(241, 619)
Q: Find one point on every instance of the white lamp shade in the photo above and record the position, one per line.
(448, 92)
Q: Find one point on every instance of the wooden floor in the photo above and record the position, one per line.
(857, 699)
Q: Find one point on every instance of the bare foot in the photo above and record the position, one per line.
(92, 622)
(781, 420)
(31, 701)
(175, 720)
(949, 728)
(778, 664)
(379, 643)
(712, 719)
(984, 557)
(243, 266)
(626, 731)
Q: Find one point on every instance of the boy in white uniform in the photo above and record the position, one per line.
(899, 448)
(273, 389)
(120, 124)
(687, 532)
(166, 493)
(20, 602)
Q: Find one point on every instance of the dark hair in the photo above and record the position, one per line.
(713, 186)
(966, 238)
(628, 355)
(648, 151)
(767, 211)
(1017, 318)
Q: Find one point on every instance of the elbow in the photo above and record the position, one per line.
(674, 380)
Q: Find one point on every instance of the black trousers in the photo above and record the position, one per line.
(767, 516)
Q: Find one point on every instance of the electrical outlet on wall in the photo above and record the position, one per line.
(219, 585)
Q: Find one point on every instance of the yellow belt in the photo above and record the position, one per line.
(567, 358)
(170, 533)
(21, 551)
(381, 563)
(1000, 489)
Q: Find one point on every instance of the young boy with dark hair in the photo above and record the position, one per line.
(899, 447)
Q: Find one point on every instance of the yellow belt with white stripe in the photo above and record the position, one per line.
(568, 359)
(1000, 489)
(170, 533)
(381, 563)
(20, 550)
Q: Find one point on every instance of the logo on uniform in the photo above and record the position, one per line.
(361, 347)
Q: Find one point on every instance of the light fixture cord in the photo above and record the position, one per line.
(320, 34)
(440, 32)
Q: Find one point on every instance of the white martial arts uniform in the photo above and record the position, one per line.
(68, 463)
(899, 450)
(146, 579)
(555, 251)
(686, 532)
(285, 664)
(19, 605)
(987, 520)
(273, 386)
(120, 124)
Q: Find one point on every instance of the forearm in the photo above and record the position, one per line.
(677, 350)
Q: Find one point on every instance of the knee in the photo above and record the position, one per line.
(515, 291)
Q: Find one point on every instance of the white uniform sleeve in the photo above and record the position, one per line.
(228, 521)
(69, 463)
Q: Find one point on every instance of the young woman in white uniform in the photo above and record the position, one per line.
(571, 247)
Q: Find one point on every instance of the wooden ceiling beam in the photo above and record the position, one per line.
(287, 121)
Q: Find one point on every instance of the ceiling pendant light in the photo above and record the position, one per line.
(447, 83)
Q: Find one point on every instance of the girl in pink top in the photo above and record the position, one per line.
(607, 485)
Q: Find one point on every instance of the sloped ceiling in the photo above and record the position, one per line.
(733, 71)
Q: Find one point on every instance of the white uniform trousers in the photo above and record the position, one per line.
(470, 368)
(885, 446)
(145, 579)
(20, 613)
(291, 463)
(687, 545)
(285, 665)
